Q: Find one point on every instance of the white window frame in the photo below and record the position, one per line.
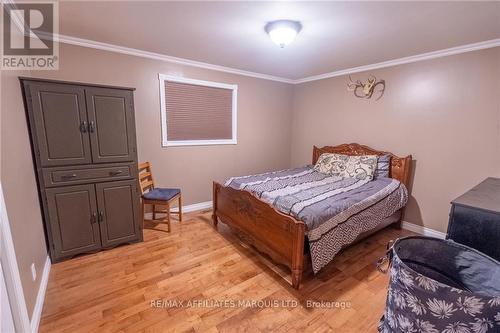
(170, 143)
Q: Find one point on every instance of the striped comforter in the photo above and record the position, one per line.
(335, 210)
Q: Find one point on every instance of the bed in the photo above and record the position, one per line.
(286, 238)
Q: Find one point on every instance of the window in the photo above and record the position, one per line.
(195, 112)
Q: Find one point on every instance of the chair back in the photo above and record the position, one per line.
(145, 177)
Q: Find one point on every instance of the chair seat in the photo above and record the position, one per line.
(164, 194)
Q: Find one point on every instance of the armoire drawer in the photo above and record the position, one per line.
(60, 176)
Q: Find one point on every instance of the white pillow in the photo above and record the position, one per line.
(346, 166)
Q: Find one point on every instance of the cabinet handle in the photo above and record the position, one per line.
(91, 127)
(69, 176)
(93, 218)
(101, 216)
(115, 172)
(83, 127)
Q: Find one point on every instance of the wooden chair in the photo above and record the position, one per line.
(157, 196)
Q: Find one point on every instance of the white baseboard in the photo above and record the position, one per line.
(198, 206)
(37, 311)
(195, 207)
(423, 230)
(405, 225)
(11, 271)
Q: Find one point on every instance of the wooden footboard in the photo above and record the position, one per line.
(278, 235)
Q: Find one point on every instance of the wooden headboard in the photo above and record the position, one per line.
(400, 166)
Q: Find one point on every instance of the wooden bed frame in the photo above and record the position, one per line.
(276, 234)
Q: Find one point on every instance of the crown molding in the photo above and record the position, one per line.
(406, 60)
(187, 62)
(157, 56)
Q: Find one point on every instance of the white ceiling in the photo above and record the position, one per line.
(335, 35)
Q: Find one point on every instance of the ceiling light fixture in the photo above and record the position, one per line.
(283, 32)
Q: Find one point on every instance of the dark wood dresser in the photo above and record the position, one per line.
(475, 218)
(84, 149)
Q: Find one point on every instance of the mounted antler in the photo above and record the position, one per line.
(381, 91)
(352, 86)
(367, 87)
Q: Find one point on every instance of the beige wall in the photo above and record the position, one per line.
(445, 112)
(19, 186)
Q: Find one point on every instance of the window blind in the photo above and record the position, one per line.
(196, 112)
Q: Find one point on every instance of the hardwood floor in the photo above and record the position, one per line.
(112, 291)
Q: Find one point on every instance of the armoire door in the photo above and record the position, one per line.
(73, 219)
(118, 215)
(111, 121)
(59, 118)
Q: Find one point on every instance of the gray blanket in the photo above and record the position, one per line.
(335, 210)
